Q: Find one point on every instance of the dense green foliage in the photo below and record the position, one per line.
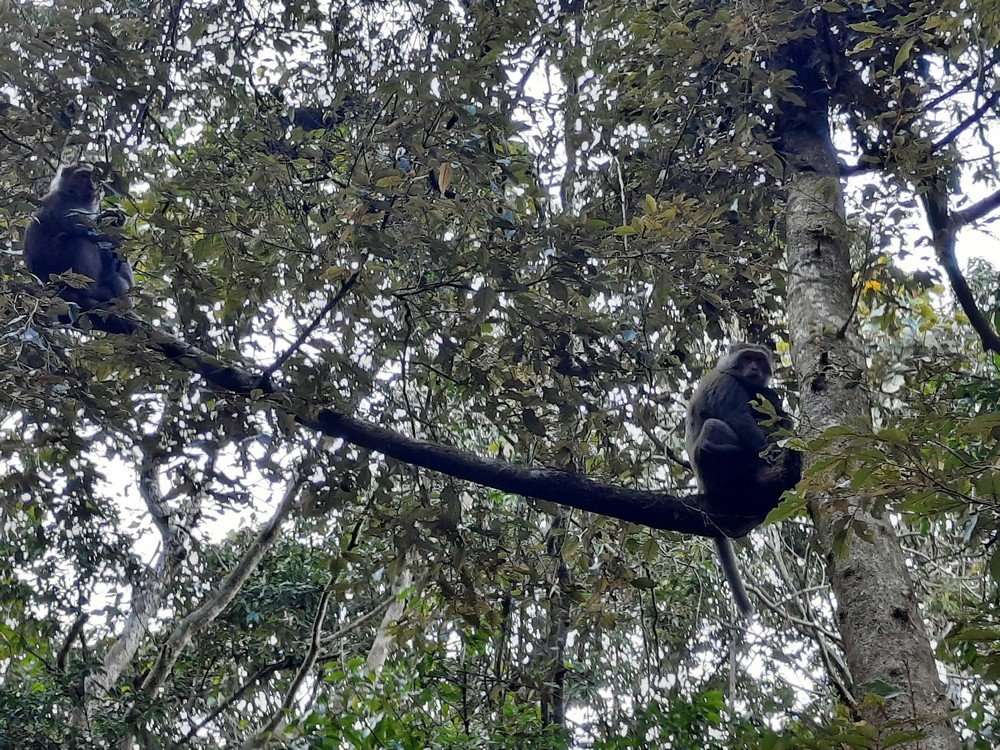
(553, 219)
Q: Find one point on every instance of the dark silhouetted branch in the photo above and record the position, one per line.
(307, 332)
(689, 514)
(977, 211)
(944, 226)
(972, 119)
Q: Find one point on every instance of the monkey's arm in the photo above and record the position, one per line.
(71, 224)
(115, 277)
(111, 273)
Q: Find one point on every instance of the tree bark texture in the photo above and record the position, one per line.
(385, 639)
(148, 594)
(883, 633)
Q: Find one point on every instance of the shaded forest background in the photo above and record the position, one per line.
(523, 230)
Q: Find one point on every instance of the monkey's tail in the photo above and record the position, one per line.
(727, 559)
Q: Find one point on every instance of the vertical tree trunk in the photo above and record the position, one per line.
(385, 639)
(553, 694)
(148, 592)
(883, 632)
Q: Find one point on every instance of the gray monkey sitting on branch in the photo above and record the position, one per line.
(726, 436)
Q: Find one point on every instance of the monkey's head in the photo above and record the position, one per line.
(748, 363)
(76, 185)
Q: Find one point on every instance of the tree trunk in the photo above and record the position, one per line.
(385, 639)
(149, 591)
(884, 635)
(553, 694)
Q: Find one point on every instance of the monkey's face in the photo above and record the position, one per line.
(753, 369)
(78, 184)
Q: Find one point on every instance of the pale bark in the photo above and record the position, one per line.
(553, 651)
(148, 593)
(883, 633)
(216, 602)
(378, 654)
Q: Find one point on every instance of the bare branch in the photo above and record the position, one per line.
(224, 594)
(976, 211)
(261, 738)
(384, 639)
(690, 514)
(944, 227)
(965, 124)
(307, 332)
(148, 592)
(62, 658)
(266, 671)
(288, 662)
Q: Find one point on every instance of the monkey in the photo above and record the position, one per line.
(725, 436)
(61, 237)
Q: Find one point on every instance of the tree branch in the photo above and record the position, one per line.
(307, 331)
(224, 594)
(266, 671)
(972, 119)
(976, 211)
(261, 737)
(147, 593)
(384, 638)
(688, 514)
(655, 509)
(944, 226)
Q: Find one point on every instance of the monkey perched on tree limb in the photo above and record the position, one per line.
(61, 237)
(726, 434)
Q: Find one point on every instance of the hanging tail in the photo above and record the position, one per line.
(727, 559)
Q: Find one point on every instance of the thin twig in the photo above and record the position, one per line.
(265, 671)
(261, 737)
(308, 330)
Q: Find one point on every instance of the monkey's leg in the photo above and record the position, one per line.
(780, 470)
(724, 464)
(717, 438)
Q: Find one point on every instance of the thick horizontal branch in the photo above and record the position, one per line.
(655, 509)
(687, 514)
(978, 210)
(216, 371)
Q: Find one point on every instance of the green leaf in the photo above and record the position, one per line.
(988, 483)
(984, 423)
(894, 435)
(904, 54)
(792, 505)
(867, 27)
(995, 566)
(901, 738)
(627, 229)
(974, 635)
(882, 689)
(864, 44)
